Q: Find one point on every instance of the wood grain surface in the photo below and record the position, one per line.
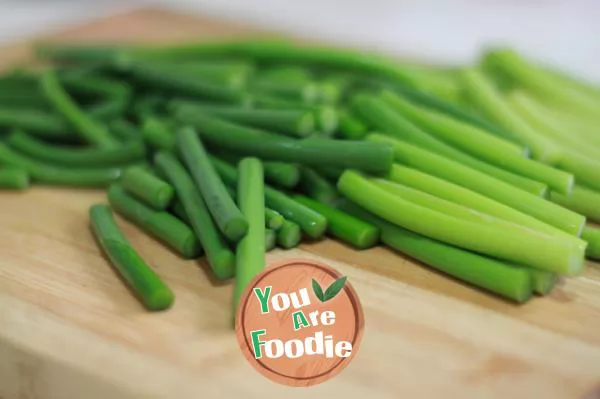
(69, 328)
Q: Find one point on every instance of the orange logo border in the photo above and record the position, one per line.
(282, 378)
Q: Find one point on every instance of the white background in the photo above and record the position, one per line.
(565, 32)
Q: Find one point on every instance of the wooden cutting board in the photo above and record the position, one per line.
(69, 328)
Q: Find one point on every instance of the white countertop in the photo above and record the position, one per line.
(565, 32)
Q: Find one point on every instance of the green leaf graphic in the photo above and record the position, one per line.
(334, 289)
(318, 290)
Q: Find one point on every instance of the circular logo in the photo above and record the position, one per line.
(299, 322)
